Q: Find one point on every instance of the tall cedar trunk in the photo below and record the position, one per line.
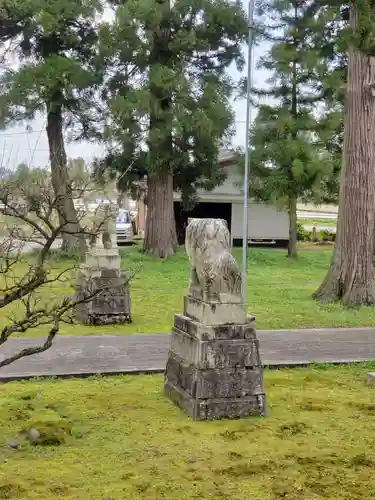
(350, 278)
(73, 240)
(161, 235)
(292, 243)
(292, 198)
(160, 238)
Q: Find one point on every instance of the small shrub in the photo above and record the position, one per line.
(302, 233)
(325, 235)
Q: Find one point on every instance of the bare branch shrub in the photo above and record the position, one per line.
(32, 271)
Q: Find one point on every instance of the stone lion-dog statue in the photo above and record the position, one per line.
(215, 275)
(104, 227)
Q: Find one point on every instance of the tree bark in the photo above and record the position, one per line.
(350, 277)
(73, 240)
(292, 243)
(161, 235)
(160, 238)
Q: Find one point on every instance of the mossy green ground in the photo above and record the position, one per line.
(279, 293)
(129, 442)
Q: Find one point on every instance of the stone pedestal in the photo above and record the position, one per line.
(214, 369)
(102, 272)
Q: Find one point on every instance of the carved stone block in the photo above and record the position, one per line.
(215, 371)
(101, 258)
(213, 383)
(111, 305)
(218, 332)
(215, 353)
(214, 313)
(215, 409)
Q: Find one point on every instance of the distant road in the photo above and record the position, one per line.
(331, 229)
(30, 246)
(310, 207)
(302, 214)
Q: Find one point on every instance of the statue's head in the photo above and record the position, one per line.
(204, 233)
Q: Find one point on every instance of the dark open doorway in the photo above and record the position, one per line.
(200, 211)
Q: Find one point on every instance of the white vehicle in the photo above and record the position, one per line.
(124, 226)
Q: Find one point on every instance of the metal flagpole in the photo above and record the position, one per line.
(247, 151)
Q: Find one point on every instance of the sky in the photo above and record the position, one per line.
(27, 143)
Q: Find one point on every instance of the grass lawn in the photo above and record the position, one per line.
(279, 293)
(128, 442)
(318, 222)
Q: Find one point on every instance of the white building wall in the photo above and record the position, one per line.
(228, 191)
(231, 187)
(265, 222)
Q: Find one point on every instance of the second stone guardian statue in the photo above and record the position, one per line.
(102, 274)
